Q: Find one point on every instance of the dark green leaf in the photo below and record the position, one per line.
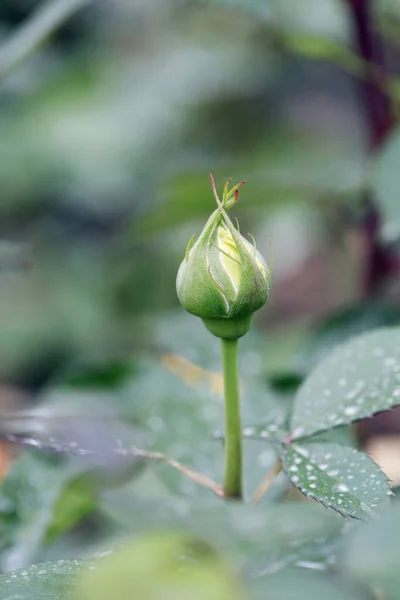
(358, 379)
(46, 581)
(105, 376)
(339, 477)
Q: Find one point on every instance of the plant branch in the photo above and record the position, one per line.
(233, 430)
(375, 88)
(380, 116)
(195, 476)
(49, 17)
(266, 482)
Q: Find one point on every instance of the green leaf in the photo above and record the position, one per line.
(30, 497)
(108, 376)
(262, 538)
(46, 581)
(77, 500)
(257, 8)
(160, 565)
(340, 325)
(339, 477)
(385, 181)
(372, 555)
(297, 585)
(357, 380)
(323, 48)
(41, 500)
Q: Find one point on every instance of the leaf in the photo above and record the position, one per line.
(357, 380)
(160, 565)
(76, 502)
(323, 48)
(372, 555)
(46, 581)
(262, 538)
(339, 477)
(385, 179)
(297, 585)
(339, 326)
(179, 400)
(30, 494)
(257, 8)
(40, 500)
(108, 376)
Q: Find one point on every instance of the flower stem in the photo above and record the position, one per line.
(233, 429)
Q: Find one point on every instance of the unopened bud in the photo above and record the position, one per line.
(223, 278)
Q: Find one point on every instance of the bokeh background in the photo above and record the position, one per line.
(112, 114)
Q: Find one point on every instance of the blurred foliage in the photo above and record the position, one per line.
(152, 568)
(111, 115)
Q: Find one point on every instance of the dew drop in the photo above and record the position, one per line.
(302, 451)
(350, 411)
(333, 473)
(342, 487)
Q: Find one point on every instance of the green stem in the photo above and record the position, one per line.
(233, 429)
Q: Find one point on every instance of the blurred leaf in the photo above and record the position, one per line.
(29, 494)
(110, 375)
(262, 538)
(339, 477)
(297, 585)
(337, 328)
(46, 581)
(162, 565)
(385, 178)
(319, 47)
(287, 171)
(372, 555)
(356, 380)
(41, 499)
(257, 8)
(34, 32)
(77, 501)
(285, 383)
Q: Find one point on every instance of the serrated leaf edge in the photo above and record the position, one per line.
(327, 505)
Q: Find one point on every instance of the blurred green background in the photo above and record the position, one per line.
(109, 127)
(112, 113)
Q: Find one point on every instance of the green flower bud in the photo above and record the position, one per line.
(223, 278)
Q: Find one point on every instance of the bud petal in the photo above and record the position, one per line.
(223, 278)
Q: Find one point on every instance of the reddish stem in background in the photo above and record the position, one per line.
(377, 102)
(379, 114)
